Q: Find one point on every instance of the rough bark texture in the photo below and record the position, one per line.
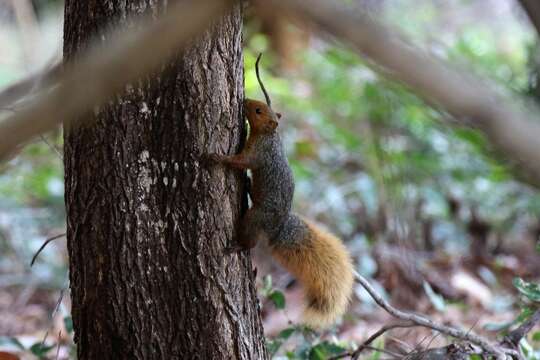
(147, 220)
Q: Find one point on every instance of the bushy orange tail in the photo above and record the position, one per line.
(323, 265)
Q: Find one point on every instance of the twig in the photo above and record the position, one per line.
(53, 313)
(44, 245)
(101, 74)
(509, 129)
(266, 96)
(52, 147)
(356, 353)
(498, 351)
(384, 351)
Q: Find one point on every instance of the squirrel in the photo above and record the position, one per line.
(317, 258)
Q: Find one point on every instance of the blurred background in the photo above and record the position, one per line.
(433, 218)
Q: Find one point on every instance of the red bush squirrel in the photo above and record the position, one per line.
(318, 259)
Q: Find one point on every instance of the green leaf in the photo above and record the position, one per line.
(524, 315)
(285, 334)
(324, 350)
(278, 299)
(529, 290)
(273, 346)
(291, 355)
(8, 340)
(316, 354)
(536, 336)
(40, 350)
(436, 300)
(68, 323)
(471, 136)
(376, 355)
(267, 284)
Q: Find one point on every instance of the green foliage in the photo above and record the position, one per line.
(275, 296)
(40, 350)
(274, 344)
(345, 127)
(529, 290)
(278, 299)
(68, 323)
(35, 176)
(324, 350)
(12, 341)
(305, 349)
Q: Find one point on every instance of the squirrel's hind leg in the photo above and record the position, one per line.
(250, 233)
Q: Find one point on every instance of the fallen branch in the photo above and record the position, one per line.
(450, 352)
(497, 350)
(508, 127)
(103, 71)
(356, 353)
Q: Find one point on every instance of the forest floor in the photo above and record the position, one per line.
(474, 294)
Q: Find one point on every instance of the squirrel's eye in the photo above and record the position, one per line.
(258, 111)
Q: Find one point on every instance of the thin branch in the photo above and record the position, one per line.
(384, 351)
(103, 71)
(266, 96)
(532, 8)
(356, 353)
(507, 127)
(43, 247)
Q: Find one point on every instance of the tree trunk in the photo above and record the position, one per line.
(147, 220)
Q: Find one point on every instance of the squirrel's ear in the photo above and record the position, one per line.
(278, 115)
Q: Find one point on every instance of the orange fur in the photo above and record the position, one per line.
(323, 266)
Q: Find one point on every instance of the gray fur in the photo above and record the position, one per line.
(273, 179)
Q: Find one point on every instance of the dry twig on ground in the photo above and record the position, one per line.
(498, 350)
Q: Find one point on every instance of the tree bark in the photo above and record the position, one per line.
(147, 219)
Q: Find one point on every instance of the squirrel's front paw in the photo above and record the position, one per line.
(212, 158)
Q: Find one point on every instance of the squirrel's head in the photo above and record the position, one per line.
(261, 117)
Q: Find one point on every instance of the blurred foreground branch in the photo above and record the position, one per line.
(39, 81)
(532, 8)
(103, 71)
(507, 126)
